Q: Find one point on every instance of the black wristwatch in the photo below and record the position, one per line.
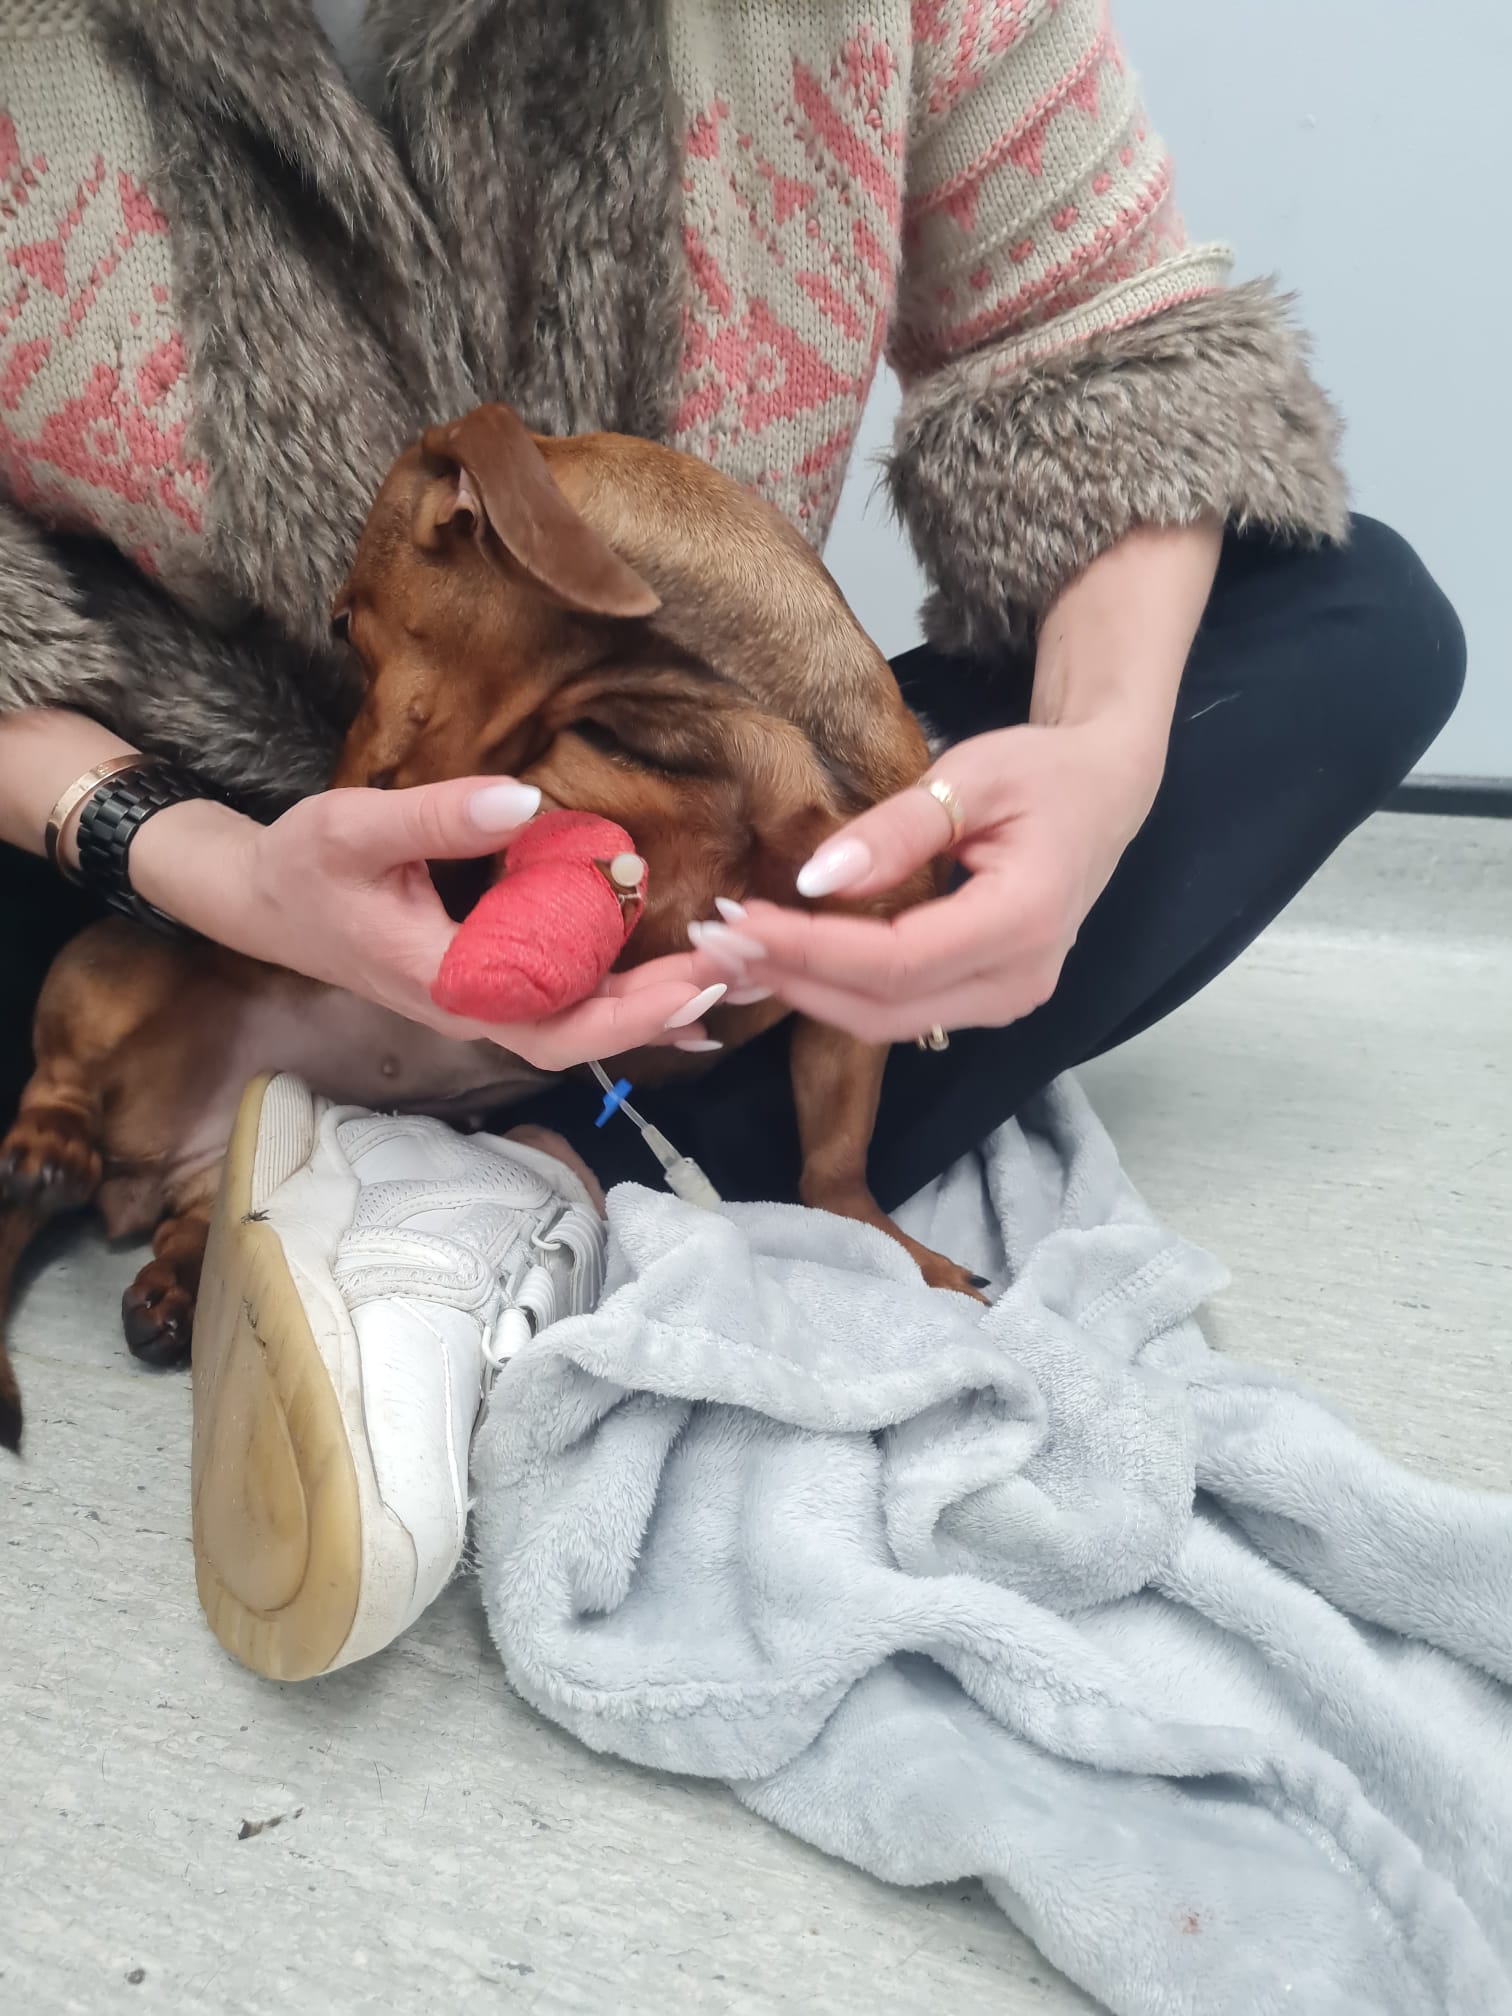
(112, 816)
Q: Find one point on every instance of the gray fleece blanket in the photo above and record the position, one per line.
(1210, 1696)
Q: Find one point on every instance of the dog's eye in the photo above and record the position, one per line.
(669, 753)
(604, 739)
(341, 625)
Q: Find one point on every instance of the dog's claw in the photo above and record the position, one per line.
(942, 1273)
(157, 1315)
(47, 1168)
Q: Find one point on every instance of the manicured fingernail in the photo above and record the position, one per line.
(734, 967)
(731, 911)
(727, 946)
(746, 997)
(499, 808)
(838, 864)
(690, 1011)
(698, 1043)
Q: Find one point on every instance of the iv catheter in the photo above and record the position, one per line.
(683, 1176)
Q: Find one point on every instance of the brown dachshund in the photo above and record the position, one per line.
(614, 622)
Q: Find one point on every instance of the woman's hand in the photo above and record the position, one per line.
(338, 889)
(1047, 812)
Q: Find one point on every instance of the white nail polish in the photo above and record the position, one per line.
(732, 966)
(838, 864)
(690, 1011)
(696, 1045)
(731, 911)
(499, 808)
(725, 945)
(746, 997)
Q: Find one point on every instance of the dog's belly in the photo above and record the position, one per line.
(347, 1049)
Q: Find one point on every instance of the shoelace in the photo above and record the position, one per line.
(529, 1288)
(531, 1300)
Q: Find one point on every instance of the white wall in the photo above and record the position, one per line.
(1361, 149)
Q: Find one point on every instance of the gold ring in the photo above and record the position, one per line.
(949, 801)
(933, 1039)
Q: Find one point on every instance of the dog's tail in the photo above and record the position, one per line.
(18, 1227)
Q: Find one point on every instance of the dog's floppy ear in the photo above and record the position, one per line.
(504, 488)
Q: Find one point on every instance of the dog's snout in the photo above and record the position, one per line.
(382, 779)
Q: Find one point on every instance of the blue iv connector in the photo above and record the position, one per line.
(614, 1098)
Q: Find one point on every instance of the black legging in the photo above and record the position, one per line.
(1317, 681)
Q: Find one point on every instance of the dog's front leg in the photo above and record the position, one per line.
(837, 1082)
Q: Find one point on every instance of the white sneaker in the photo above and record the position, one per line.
(365, 1276)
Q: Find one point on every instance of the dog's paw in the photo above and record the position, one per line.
(937, 1270)
(942, 1273)
(49, 1162)
(157, 1315)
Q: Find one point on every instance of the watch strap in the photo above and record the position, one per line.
(69, 802)
(113, 814)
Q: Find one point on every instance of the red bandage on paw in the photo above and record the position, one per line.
(545, 936)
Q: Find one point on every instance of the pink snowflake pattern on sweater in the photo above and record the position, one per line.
(94, 383)
(942, 180)
(791, 255)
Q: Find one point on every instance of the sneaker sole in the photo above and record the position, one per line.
(277, 1509)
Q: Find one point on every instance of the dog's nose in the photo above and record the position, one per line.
(380, 780)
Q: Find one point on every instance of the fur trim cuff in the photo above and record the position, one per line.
(79, 628)
(1011, 481)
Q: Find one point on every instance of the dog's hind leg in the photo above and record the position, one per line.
(99, 992)
(17, 1227)
(49, 1162)
(157, 1310)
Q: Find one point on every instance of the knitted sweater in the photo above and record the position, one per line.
(228, 294)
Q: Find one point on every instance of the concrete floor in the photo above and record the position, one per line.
(1334, 1118)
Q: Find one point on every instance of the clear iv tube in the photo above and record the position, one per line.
(683, 1176)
